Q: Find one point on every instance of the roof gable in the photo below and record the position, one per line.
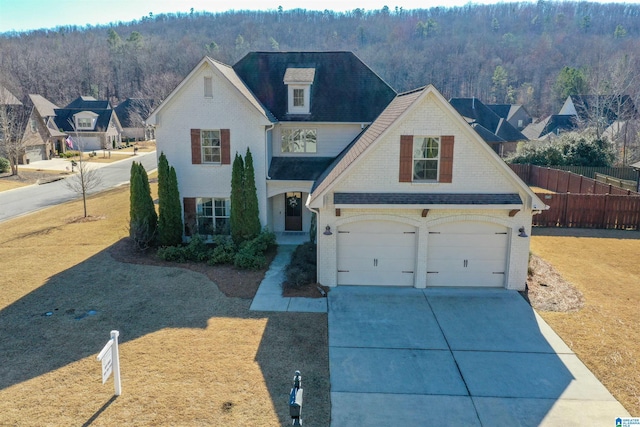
(344, 89)
(229, 75)
(43, 106)
(413, 113)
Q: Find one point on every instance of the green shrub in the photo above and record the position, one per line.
(4, 165)
(302, 269)
(197, 250)
(172, 253)
(250, 256)
(224, 251)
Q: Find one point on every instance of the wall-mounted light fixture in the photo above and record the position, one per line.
(522, 232)
(327, 231)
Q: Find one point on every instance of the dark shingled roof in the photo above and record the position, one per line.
(298, 168)
(559, 123)
(609, 106)
(127, 111)
(64, 115)
(472, 108)
(88, 103)
(502, 110)
(425, 199)
(344, 88)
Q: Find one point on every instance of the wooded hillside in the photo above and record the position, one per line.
(511, 52)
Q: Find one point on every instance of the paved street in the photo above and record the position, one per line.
(21, 201)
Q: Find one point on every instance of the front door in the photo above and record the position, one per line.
(293, 211)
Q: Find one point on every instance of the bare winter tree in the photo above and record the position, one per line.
(87, 177)
(14, 117)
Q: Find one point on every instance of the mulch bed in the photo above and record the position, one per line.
(234, 283)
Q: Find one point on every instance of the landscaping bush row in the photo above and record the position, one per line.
(249, 255)
(302, 269)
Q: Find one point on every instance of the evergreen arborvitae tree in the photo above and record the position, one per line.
(236, 219)
(170, 217)
(250, 196)
(144, 220)
(174, 210)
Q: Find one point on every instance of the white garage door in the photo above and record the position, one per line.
(468, 254)
(376, 253)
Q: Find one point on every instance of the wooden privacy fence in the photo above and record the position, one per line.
(565, 182)
(589, 211)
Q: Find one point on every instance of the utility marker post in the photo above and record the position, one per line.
(110, 358)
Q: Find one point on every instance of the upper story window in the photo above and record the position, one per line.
(299, 141)
(298, 97)
(85, 123)
(208, 87)
(299, 81)
(32, 123)
(210, 146)
(426, 158)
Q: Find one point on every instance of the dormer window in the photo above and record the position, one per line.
(298, 97)
(299, 81)
(84, 123)
(85, 120)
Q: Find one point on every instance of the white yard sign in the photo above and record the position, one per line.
(110, 359)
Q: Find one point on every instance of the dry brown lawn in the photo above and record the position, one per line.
(190, 355)
(605, 333)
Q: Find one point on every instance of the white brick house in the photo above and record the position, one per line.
(420, 200)
(405, 191)
(295, 111)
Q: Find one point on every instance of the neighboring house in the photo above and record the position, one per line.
(132, 113)
(496, 131)
(92, 124)
(44, 115)
(35, 144)
(611, 113)
(515, 114)
(419, 199)
(405, 191)
(550, 127)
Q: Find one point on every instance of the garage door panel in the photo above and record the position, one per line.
(467, 254)
(465, 279)
(376, 253)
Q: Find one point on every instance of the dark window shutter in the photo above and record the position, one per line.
(446, 159)
(189, 215)
(225, 146)
(406, 158)
(196, 150)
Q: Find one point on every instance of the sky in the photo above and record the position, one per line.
(24, 15)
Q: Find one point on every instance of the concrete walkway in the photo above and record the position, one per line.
(269, 295)
(400, 356)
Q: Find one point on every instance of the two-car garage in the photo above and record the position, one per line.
(461, 254)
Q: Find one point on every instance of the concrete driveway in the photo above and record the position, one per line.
(402, 356)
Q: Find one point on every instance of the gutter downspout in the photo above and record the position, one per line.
(266, 151)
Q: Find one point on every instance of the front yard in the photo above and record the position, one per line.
(605, 333)
(190, 355)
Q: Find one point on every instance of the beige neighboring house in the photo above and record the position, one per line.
(43, 118)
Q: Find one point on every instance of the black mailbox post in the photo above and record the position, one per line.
(295, 400)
